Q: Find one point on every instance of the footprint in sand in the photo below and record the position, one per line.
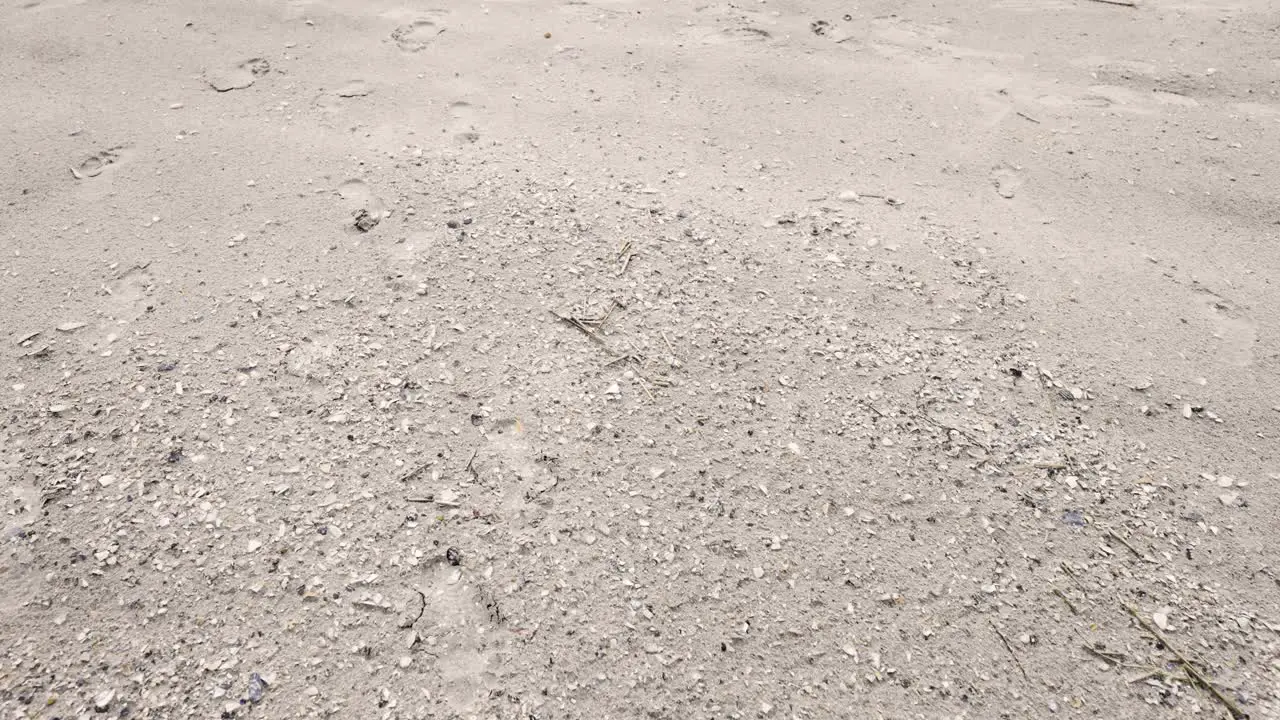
(313, 359)
(328, 103)
(416, 36)
(748, 33)
(365, 208)
(22, 497)
(127, 295)
(467, 622)
(1033, 6)
(358, 194)
(562, 54)
(238, 77)
(414, 248)
(895, 37)
(20, 577)
(511, 460)
(1087, 100)
(1236, 332)
(1006, 181)
(355, 88)
(50, 4)
(729, 35)
(461, 123)
(95, 164)
(332, 102)
(123, 300)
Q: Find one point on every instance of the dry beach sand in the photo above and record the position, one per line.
(640, 359)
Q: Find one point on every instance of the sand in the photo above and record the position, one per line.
(624, 358)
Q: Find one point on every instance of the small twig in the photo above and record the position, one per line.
(675, 359)
(1153, 673)
(874, 410)
(924, 415)
(1071, 574)
(1049, 465)
(580, 325)
(1109, 658)
(613, 305)
(416, 471)
(428, 499)
(1009, 647)
(625, 255)
(468, 468)
(1026, 117)
(659, 382)
(1125, 3)
(1190, 667)
(1063, 597)
(1115, 535)
(623, 358)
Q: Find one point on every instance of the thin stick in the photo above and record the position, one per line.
(1150, 673)
(1187, 665)
(1063, 597)
(415, 472)
(1025, 116)
(1009, 647)
(660, 382)
(924, 415)
(675, 358)
(1071, 574)
(1132, 549)
(1106, 657)
(1125, 3)
(625, 255)
(874, 410)
(576, 323)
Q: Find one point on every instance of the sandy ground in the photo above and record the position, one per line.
(620, 359)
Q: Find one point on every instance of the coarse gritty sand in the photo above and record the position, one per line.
(636, 359)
